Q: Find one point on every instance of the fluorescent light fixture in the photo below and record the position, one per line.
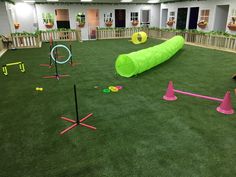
(86, 0)
(52, 0)
(29, 1)
(126, 0)
(153, 1)
(23, 10)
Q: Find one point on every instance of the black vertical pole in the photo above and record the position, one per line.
(71, 60)
(76, 105)
(56, 64)
(50, 48)
(50, 57)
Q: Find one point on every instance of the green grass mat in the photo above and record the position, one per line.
(138, 133)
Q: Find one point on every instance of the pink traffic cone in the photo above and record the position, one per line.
(170, 93)
(226, 106)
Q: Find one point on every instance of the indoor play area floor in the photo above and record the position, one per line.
(138, 133)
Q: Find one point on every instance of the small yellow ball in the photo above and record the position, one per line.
(39, 89)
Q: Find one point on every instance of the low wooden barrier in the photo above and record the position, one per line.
(21, 40)
(117, 33)
(220, 42)
(61, 35)
(215, 41)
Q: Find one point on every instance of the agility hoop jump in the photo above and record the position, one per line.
(54, 57)
(50, 65)
(225, 106)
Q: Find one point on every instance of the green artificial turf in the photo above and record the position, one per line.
(138, 133)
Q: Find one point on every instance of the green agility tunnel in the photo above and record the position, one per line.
(128, 65)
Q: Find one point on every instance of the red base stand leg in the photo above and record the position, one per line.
(68, 120)
(88, 126)
(55, 76)
(72, 64)
(75, 124)
(86, 117)
(69, 128)
(46, 65)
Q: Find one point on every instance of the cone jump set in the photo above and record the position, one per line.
(225, 106)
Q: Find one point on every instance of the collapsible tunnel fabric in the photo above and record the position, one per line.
(139, 37)
(134, 63)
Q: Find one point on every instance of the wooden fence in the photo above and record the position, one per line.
(115, 33)
(25, 40)
(61, 35)
(212, 41)
(22, 40)
(220, 42)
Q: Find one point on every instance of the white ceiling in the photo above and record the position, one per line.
(94, 1)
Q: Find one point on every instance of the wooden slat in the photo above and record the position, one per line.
(1, 44)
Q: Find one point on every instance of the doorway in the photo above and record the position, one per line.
(120, 18)
(164, 18)
(145, 18)
(93, 23)
(62, 18)
(221, 16)
(193, 19)
(182, 18)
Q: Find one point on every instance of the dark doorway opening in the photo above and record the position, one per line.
(62, 17)
(120, 18)
(193, 18)
(182, 18)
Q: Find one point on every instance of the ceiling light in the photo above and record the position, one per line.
(153, 1)
(52, 0)
(126, 0)
(29, 1)
(86, 0)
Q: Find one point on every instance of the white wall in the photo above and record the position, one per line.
(28, 15)
(209, 4)
(103, 9)
(4, 22)
(231, 7)
(25, 15)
